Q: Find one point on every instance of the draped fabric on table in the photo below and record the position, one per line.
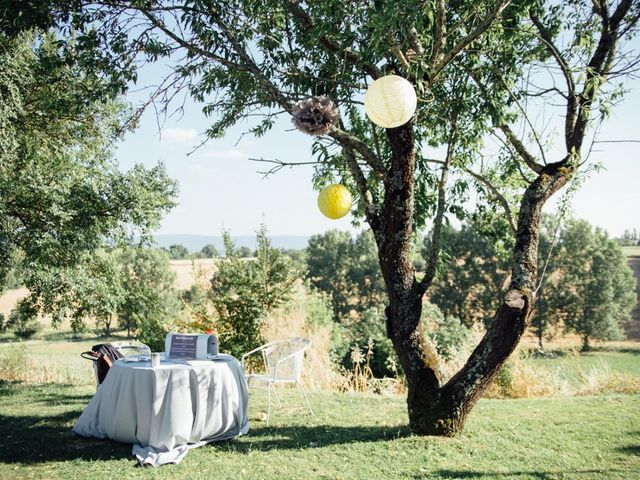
(167, 410)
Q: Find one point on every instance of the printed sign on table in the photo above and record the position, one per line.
(183, 346)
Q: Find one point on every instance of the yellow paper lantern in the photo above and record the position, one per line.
(334, 201)
(390, 101)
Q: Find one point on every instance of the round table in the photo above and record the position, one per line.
(167, 410)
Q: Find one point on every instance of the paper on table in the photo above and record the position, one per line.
(136, 358)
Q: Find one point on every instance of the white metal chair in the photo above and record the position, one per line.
(131, 348)
(283, 364)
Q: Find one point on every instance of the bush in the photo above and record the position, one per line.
(24, 321)
(448, 333)
(244, 291)
(368, 334)
(153, 334)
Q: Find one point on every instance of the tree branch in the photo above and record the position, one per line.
(598, 66)
(370, 209)
(484, 25)
(528, 158)
(330, 44)
(521, 149)
(189, 46)
(345, 139)
(436, 234)
(278, 165)
(501, 198)
(572, 101)
(440, 34)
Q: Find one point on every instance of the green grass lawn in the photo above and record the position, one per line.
(573, 367)
(352, 436)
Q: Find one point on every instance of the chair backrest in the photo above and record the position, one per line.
(131, 348)
(284, 358)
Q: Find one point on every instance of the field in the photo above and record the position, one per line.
(185, 273)
(632, 251)
(184, 270)
(352, 436)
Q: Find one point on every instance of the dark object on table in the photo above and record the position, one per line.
(103, 355)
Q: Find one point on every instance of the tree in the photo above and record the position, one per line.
(475, 270)
(209, 251)
(472, 77)
(347, 269)
(329, 259)
(62, 197)
(244, 291)
(178, 252)
(599, 287)
(244, 252)
(150, 299)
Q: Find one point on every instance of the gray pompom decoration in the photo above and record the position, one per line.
(315, 115)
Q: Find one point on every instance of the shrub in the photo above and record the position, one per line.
(306, 316)
(244, 291)
(153, 334)
(448, 333)
(24, 321)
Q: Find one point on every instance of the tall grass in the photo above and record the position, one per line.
(294, 321)
(19, 364)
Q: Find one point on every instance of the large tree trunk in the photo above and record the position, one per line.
(436, 409)
(585, 343)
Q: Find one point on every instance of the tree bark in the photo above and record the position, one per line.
(417, 356)
(436, 409)
(540, 345)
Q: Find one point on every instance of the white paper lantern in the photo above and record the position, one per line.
(390, 101)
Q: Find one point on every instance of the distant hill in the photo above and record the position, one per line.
(194, 243)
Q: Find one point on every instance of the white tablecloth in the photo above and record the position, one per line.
(167, 410)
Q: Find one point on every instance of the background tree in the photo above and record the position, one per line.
(347, 270)
(472, 65)
(475, 270)
(244, 252)
(630, 237)
(329, 257)
(62, 197)
(178, 252)
(599, 287)
(150, 300)
(209, 251)
(244, 291)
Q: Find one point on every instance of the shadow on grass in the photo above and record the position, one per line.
(38, 439)
(300, 436)
(540, 475)
(44, 393)
(40, 431)
(42, 436)
(630, 450)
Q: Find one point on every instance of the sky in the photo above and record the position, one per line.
(221, 188)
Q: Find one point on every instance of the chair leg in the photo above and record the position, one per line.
(268, 402)
(305, 398)
(275, 390)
